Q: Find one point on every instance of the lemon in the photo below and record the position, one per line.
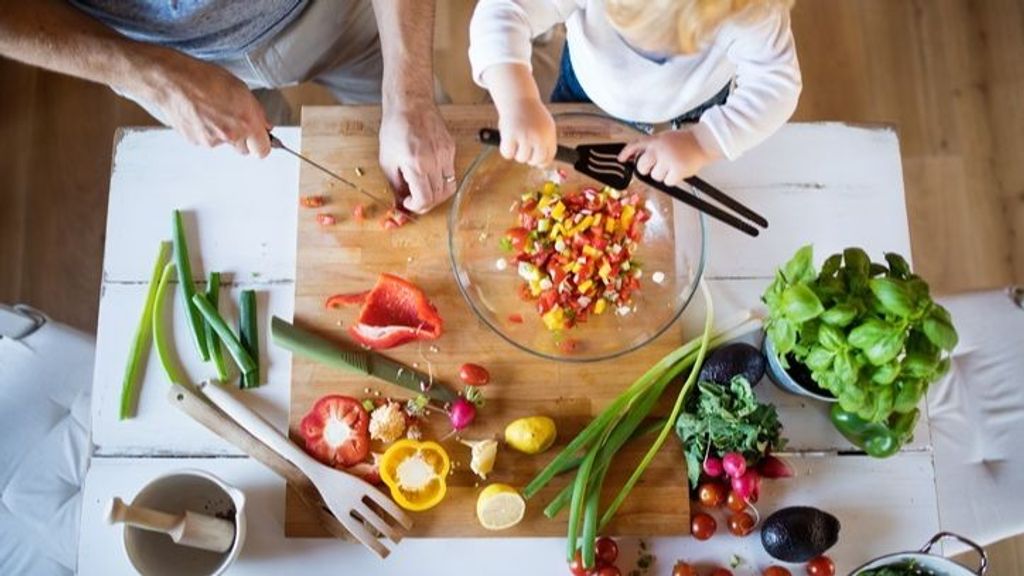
(499, 506)
(531, 435)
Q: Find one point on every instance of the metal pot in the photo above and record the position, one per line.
(940, 565)
(778, 375)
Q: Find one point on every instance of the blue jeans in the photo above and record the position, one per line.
(568, 89)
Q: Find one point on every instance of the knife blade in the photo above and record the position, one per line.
(275, 142)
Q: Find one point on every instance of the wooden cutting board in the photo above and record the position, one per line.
(348, 256)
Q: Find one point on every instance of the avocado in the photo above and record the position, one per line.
(731, 360)
(799, 533)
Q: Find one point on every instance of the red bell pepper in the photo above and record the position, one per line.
(396, 311)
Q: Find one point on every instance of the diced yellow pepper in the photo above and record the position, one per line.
(554, 319)
(576, 266)
(597, 220)
(589, 250)
(546, 201)
(558, 212)
(610, 224)
(556, 231)
(605, 270)
(600, 306)
(586, 286)
(583, 225)
(549, 188)
(628, 212)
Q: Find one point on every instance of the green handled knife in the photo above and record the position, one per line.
(347, 357)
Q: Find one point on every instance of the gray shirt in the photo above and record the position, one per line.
(207, 29)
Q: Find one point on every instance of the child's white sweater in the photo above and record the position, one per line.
(761, 56)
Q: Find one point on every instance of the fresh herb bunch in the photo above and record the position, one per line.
(731, 419)
(869, 333)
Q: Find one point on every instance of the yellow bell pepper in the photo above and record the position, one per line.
(416, 472)
(554, 319)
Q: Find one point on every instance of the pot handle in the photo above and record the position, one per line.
(983, 563)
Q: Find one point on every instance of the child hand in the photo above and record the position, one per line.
(669, 157)
(527, 132)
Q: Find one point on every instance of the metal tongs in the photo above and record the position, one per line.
(346, 506)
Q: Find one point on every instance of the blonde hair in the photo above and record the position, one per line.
(683, 25)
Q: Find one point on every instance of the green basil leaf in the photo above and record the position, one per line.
(908, 394)
(877, 270)
(886, 373)
(831, 266)
(783, 336)
(893, 295)
(800, 304)
(840, 315)
(919, 365)
(831, 337)
(886, 349)
(845, 369)
(883, 404)
(940, 332)
(857, 262)
(800, 268)
(869, 333)
(942, 369)
(898, 266)
(819, 359)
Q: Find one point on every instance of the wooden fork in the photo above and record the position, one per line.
(347, 497)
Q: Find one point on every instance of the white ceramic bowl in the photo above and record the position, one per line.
(155, 554)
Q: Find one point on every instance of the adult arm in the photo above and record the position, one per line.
(417, 153)
(205, 103)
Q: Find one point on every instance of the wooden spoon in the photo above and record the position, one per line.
(189, 529)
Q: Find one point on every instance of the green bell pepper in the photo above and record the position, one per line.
(878, 439)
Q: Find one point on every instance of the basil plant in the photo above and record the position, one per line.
(869, 333)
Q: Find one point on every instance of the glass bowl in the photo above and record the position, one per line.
(672, 250)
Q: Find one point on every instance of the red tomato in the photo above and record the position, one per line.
(474, 374)
(567, 346)
(326, 219)
(517, 237)
(741, 523)
(683, 569)
(547, 300)
(821, 566)
(607, 550)
(735, 502)
(702, 526)
(711, 494)
(313, 201)
(608, 571)
(515, 318)
(336, 431)
(776, 571)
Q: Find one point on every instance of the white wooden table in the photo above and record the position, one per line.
(830, 184)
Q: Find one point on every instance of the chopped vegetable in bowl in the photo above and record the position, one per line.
(574, 250)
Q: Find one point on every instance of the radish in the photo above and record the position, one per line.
(734, 464)
(461, 414)
(775, 467)
(746, 485)
(713, 466)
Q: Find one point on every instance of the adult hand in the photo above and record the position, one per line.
(209, 106)
(527, 132)
(417, 155)
(669, 157)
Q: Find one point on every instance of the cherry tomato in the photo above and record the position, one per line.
(702, 526)
(821, 566)
(474, 374)
(683, 569)
(720, 572)
(741, 524)
(735, 502)
(606, 550)
(576, 566)
(608, 571)
(776, 571)
(711, 494)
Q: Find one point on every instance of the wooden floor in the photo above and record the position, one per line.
(946, 73)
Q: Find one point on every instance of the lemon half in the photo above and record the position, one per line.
(499, 507)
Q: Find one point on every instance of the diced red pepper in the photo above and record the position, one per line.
(313, 201)
(326, 219)
(359, 213)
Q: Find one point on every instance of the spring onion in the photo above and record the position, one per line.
(187, 287)
(140, 344)
(249, 336)
(242, 358)
(174, 373)
(213, 346)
